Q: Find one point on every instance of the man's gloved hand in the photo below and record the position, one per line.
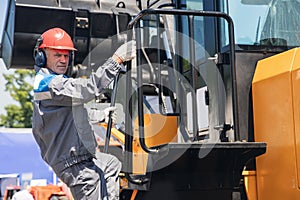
(126, 51)
(96, 116)
(106, 112)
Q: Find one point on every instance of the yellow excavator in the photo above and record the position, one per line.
(209, 109)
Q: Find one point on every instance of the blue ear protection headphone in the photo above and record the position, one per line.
(39, 55)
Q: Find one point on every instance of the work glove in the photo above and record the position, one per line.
(106, 112)
(126, 51)
(97, 116)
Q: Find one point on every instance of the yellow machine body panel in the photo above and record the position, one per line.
(250, 184)
(276, 112)
(116, 133)
(158, 130)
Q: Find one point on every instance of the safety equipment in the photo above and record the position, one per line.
(111, 110)
(96, 116)
(39, 55)
(55, 38)
(127, 51)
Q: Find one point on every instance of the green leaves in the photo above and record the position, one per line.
(20, 87)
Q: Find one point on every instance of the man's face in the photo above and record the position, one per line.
(57, 60)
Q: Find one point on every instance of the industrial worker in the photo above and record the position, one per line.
(60, 120)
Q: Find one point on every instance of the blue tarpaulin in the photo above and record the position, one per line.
(20, 154)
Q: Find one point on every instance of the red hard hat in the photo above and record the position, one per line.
(57, 38)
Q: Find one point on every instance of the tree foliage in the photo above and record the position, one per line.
(20, 89)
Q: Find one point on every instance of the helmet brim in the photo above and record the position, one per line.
(58, 47)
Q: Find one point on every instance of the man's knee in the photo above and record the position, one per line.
(115, 163)
(108, 162)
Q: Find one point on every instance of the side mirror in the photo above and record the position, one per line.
(7, 24)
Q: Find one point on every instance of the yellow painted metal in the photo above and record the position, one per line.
(275, 90)
(250, 184)
(296, 104)
(116, 133)
(134, 193)
(139, 157)
(158, 130)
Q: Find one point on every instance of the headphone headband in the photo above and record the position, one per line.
(36, 47)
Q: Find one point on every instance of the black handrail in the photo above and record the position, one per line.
(140, 101)
(128, 136)
(231, 46)
(129, 132)
(112, 103)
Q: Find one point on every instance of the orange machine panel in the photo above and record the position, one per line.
(276, 111)
(159, 130)
(45, 192)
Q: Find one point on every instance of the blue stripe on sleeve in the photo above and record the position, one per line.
(43, 81)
